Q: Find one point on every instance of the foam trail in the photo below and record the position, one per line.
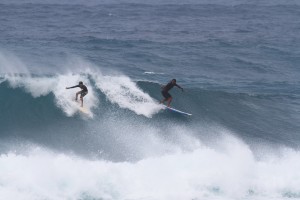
(153, 73)
(230, 172)
(124, 92)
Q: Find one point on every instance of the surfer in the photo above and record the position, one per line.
(165, 91)
(82, 93)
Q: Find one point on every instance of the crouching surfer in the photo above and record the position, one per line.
(165, 91)
(82, 93)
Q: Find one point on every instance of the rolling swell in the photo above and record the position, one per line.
(35, 110)
(42, 120)
(117, 144)
(35, 120)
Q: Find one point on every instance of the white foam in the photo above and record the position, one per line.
(35, 86)
(153, 73)
(2, 79)
(124, 92)
(17, 74)
(228, 172)
(10, 64)
(119, 89)
(64, 99)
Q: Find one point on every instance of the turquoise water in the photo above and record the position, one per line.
(237, 62)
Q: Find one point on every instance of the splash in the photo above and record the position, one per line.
(228, 172)
(124, 92)
(64, 99)
(120, 90)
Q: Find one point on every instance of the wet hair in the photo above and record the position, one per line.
(80, 82)
(174, 79)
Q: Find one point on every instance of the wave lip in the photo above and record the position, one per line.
(124, 92)
(64, 99)
(120, 90)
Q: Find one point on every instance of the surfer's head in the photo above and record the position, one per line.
(174, 80)
(80, 83)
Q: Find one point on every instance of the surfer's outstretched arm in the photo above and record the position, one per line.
(179, 87)
(72, 87)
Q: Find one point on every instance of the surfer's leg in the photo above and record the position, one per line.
(169, 101)
(81, 98)
(166, 96)
(82, 94)
(162, 101)
(77, 93)
(81, 101)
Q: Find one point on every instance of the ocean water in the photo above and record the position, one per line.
(238, 62)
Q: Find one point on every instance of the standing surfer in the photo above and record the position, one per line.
(82, 93)
(165, 91)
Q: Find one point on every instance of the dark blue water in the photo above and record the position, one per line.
(236, 60)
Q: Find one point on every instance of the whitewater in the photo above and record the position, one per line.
(127, 146)
(237, 62)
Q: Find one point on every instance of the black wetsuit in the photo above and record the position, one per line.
(83, 88)
(165, 90)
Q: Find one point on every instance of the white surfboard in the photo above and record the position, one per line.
(177, 111)
(83, 110)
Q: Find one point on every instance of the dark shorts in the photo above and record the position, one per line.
(166, 94)
(83, 93)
